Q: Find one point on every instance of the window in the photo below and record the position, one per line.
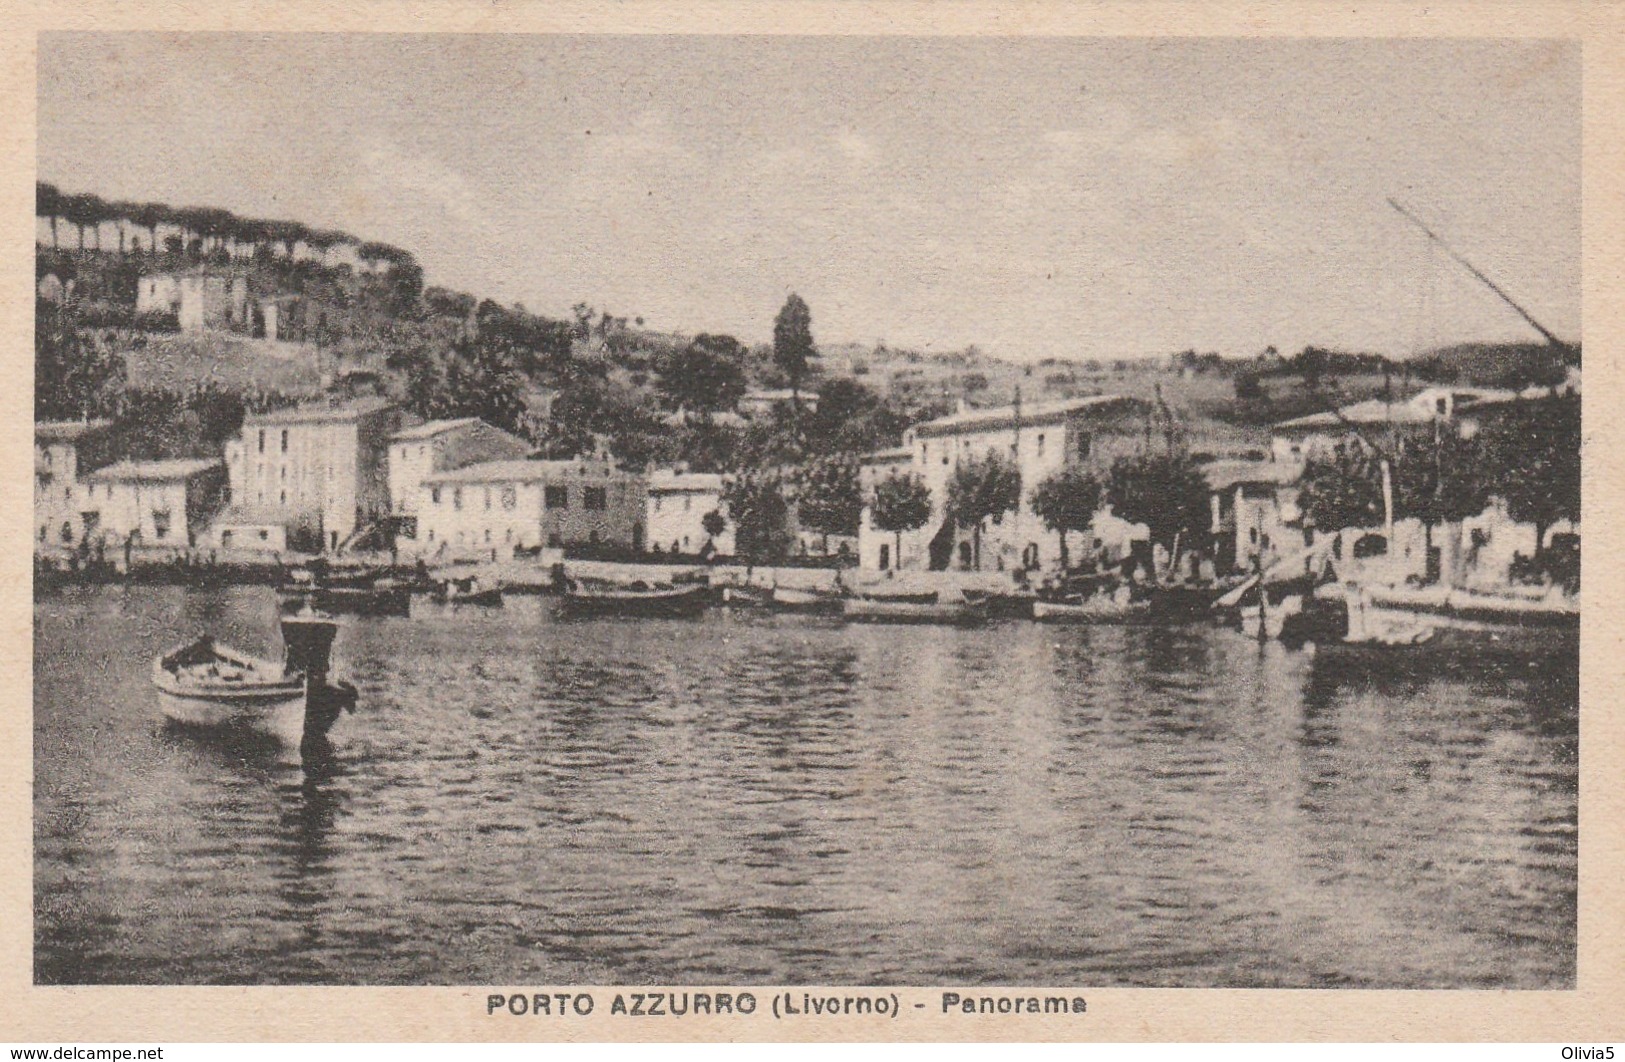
(1083, 445)
(262, 440)
(265, 536)
(456, 497)
(431, 536)
(1040, 445)
(434, 495)
(160, 523)
(556, 497)
(595, 498)
(688, 503)
(1443, 406)
(284, 440)
(283, 473)
(510, 497)
(284, 498)
(488, 535)
(488, 497)
(421, 451)
(657, 503)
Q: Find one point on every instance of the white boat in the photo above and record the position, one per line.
(1117, 606)
(206, 683)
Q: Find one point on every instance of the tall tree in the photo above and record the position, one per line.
(829, 499)
(1342, 489)
(1162, 490)
(48, 204)
(1067, 501)
(793, 347)
(83, 211)
(761, 516)
(1439, 481)
(1532, 456)
(898, 504)
(149, 216)
(980, 489)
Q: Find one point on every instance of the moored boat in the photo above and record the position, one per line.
(790, 599)
(873, 610)
(641, 601)
(206, 683)
(349, 600)
(1114, 607)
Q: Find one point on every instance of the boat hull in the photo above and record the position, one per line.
(861, 610)
(1091, 612)
(683, 604)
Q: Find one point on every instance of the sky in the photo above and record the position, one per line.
(1062, 197)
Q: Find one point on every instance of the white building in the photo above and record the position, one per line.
(501, 506)
(1294, 440)
(419, 452)
(676, 509)
(65, 452)
(1040, 439)
(155, 504)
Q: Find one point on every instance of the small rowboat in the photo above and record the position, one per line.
(206, 683)
(869, 610)
(648, 602)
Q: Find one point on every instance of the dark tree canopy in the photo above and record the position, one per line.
(1067, 501)
(1164, 491)
(707, 375)
(983, 487)
(1532, 456)
(1343, 489)
(828, 497)
(761, 515)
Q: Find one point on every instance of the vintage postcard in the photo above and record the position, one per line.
(808, 522)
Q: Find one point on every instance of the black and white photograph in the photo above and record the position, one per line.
(991, 512)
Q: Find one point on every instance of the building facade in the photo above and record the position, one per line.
(318, 472)
(1464, 408)
(65, 452)
(676, 509)
(1039, 440)
(201, 300)
(497, 507)
(155, 504)
(418, 452)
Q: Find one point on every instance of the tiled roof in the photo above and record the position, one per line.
(1000, 417)
(60, 431)
(434, 427)
(667, 481)
(521, 471)
(319, 414)
(143, 471)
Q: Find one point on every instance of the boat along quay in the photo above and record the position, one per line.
(527, 794)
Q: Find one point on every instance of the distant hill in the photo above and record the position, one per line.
(1513, 365)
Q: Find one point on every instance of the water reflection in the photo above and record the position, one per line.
(759, 798)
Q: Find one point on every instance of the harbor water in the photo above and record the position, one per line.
(750, 799)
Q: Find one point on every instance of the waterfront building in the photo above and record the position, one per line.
(64, 452)
(1040, 440)
(154, 504)
(675, 512)
(320, 473)
(1255, 512)
(418, 452)
(498, 507)
(1382, 422)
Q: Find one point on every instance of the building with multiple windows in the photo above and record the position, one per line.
(318, 472)
(1039, 440)
(64, 452)
(154, 504)
(416, 453)
(497, 507)
(675, 513)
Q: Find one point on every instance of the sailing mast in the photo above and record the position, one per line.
(1564, 348)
